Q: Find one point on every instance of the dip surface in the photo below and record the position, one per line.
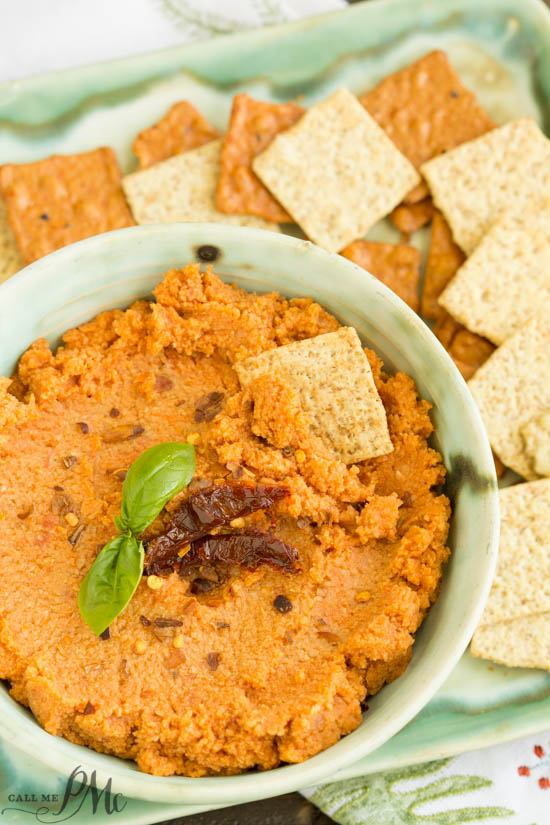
(237, 677)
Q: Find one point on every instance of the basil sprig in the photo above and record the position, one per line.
(153, 479)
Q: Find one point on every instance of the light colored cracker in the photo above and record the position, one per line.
(181, 129)
(252, 127)
(332, 377)
(506, 280)
(182, 188)
(336, 171)
(536, 440)
(10, 257)
(397, 266)
(62, 199)
(517, 643)
(505, 170)
(522, 580)
(513, 387)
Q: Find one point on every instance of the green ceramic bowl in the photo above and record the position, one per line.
(74, 284)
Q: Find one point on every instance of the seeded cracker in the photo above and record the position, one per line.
(333, 379)
(252, 127)
(63, 199)
(425, 110)
(181, 129)
(182, 188)
(521, 642)
(522, 580)
(335, 171)
(506, 170)
(398, 267)
(506, 280)
(10, 257)
(536, 439)
(513, 387)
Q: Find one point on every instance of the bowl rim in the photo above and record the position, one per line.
(27, 736)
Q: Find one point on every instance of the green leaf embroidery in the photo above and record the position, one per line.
(111, 582)
(153, 479)
(373, 800)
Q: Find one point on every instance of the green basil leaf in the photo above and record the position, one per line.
(153, 479)
(111, 582)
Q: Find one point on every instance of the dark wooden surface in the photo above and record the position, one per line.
(290, 809)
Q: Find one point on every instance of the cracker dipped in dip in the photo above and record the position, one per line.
(280, 587)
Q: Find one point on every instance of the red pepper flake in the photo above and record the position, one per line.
(222, 625)
(58, 488)
(138, 430)
(114, 413)
(120, 474)
(544, 783)
(539, 751)
(282, 604)
(75, 535)
(523, 770)
(163, 383)
(213, 660)
(105, 635)
(145, 621)
(84, 429)
(88, 709)
(202, 586)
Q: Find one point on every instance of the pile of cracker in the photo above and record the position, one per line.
(418, 150)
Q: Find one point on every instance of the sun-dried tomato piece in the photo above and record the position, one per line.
(245, 549)
(203, 511)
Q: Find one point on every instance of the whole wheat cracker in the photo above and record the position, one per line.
(333, 379)
(252, 127)
(513, 387)
(182, 188)
(426, 110)
(182, 128)
(506, 280)
(536, 442)
(397, 266)
(521, 642)
(522, 580)
(10, 257)
(336, 171)
(62, 199)
(505, 170)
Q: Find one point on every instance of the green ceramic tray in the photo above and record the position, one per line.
(501, 49)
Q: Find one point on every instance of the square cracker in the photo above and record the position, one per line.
(333, 379)
(506, 280)
(63, 199)
(425, 110)
(536, 439)
(444, 259)
(513, 387)
(181, 129)
(506, 170)
(397, 266)
(522, 580)
(182, 188)
(521, 642)
(252, 127)
(10, 257)
(336, 171)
